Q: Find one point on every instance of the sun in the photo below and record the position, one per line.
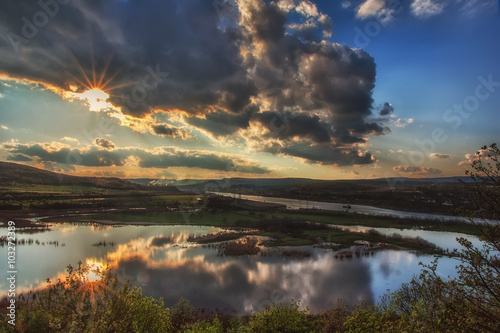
(92, 87)
(95, 98)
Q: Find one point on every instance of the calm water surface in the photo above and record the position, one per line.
(161, 261)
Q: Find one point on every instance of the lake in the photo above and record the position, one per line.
(163, 263)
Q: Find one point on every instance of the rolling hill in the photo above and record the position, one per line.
(13, 174)
(253, 184)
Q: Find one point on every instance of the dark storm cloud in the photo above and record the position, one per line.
(325, 154)
(318, 92)
(290, 126)
(237, 95)
(165, 130)
(93, 157)
(105, 143)
(166, 158)
(221, 123)
(225, 73)
(269, 23)
(161, 53)
(386, 110)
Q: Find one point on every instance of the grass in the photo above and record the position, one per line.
(244, 218)
(285, 240)
(45, 199)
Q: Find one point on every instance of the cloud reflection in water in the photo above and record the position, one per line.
(239, 284)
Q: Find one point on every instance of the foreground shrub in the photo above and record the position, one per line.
(282, 318)
(205, 327)
(334, 320)
(81, 304)
(372, 320)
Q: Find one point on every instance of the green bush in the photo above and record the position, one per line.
(205, 327)
(282, 318)
(78, 304)
(334, 319)
(371, 320)
(182, 313)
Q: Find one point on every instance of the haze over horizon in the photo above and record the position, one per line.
(249, 88)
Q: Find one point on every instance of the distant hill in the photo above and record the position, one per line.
(230, 184)
(226, 183)
(12, 174)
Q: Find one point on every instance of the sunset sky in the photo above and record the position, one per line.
(287, 88)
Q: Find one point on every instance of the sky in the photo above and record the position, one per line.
(198, 89)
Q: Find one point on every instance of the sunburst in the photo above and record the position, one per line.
(92, 285)
(93, 89)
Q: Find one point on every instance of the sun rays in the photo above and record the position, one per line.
(92, 88)
(95, 270)
(92, 284)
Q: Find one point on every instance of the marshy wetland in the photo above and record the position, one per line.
(223, 253)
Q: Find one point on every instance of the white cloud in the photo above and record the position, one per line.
(427, 8)
(370, 8)
(469, 159)
(286, 5)
(402, 122)
(384, 10)
(71, 140)
(307, 9)
(313, 17)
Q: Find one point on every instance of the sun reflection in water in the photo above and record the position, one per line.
(96, 269)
